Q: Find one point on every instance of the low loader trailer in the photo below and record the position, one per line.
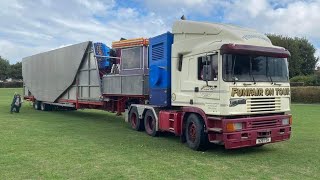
(205, 82)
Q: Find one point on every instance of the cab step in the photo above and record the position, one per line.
(217, 130)
(216, 142)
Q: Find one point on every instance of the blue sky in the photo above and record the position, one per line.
(29, 27)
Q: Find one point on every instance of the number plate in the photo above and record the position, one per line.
(263, 140)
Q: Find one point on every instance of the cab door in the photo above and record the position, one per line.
(207, 82)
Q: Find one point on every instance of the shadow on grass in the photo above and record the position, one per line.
(214, 149)
(110, 118)
(88, 115)
(217, 149)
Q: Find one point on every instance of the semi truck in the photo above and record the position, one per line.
(204, 82)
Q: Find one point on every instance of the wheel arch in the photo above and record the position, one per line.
(187, 111)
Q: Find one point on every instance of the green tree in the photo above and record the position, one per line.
(16, 71)
(307, 54)
(302, 60)
(4, 68)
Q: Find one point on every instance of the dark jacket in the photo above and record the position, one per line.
(16, 98)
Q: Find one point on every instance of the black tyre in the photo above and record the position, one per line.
(49, 107)
(150, 123)
(43, 107)
(196, 137)
(135, 121)
(36, 105)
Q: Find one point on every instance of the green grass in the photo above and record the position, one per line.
(90, 144)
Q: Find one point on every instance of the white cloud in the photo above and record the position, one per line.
(97, 6)
(17, 51)
(177, 8)
(299, 18)
(33, 26)
(289, 17)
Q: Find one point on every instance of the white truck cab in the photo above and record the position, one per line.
(242, 76)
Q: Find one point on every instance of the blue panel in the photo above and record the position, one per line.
(160, 69)
(102, 50)
(160, 97)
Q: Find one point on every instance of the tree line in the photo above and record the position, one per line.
(8, 70)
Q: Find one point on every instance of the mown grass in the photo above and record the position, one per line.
(90, 144)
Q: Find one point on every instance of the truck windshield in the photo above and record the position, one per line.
(242, 68)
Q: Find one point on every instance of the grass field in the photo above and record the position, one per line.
(90, 144)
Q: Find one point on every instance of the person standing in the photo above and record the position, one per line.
(16, 103)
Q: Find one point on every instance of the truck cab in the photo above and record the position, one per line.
(228, 85)
(223, 69)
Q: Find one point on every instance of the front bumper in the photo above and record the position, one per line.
(248, 138)
(253, 128)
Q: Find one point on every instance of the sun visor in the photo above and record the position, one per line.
(254, 50)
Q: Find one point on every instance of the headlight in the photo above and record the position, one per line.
(285, 121)
(234, 126)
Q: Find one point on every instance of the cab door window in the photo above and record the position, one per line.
(211, 64)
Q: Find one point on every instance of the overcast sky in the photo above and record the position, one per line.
(32, 26)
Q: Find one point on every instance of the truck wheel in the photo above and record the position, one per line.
(49, 107)
(135, 121)
(150, 123)
(44, 107)
(36, 105)
(195, 135)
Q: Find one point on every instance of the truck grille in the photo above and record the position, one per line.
(270, 104)
(266, 123)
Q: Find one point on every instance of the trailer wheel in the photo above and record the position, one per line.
(44, 107)
(195, 135)
(150, 123)
(135, 121)
(36, 105)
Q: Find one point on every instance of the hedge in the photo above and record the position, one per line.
(11, 84)
(296, 84)
(311, 80)
(306, 94)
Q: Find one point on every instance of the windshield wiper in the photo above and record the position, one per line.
(234, 64)
(268, 71)
(271, 79)
(250, 72)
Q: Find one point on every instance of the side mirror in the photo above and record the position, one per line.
(207, 73)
